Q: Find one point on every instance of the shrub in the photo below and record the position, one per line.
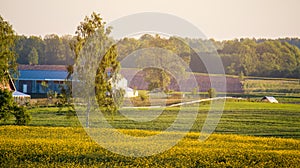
(143, 95)
(8, 108)
(212, 93)
(21, 115)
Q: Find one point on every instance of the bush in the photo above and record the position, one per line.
(212, 93)
(22, 117)
(143, 95)
(8, 108)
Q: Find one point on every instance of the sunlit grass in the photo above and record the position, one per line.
(245, 118)
(71, 147)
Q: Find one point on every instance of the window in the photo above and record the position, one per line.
(25, 88)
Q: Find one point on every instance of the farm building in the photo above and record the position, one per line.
(37, 80)
(33, 78)
(233, 85)
(21, 98)
(123, 83)
(130, 92)
(269, 99)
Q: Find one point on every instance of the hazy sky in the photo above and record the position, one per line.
(219, 19)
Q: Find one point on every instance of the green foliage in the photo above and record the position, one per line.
(44, 85)
(6, 104)
(157, 56)
(273, 58)
(21, 115)
(118, 97)
(54, 53)
(9, 108)
(7, 55)
(261, 57)
(64, 100)
(270, 58)
(24, 45)
(143, 95)
(162, 59)
(195, 91)
(241, 76)
(212, 93)
(86, 29)
(50, 50)
(33, 57)
(157, 78)
(94, 47)
(108, 97)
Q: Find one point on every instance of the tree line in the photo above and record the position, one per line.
(50, 50)
(253, 57)
(268, 58)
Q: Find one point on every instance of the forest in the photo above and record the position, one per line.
(251, 57)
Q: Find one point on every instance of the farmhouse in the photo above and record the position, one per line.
(123, 84)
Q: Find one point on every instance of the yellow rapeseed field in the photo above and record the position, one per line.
(22, 146)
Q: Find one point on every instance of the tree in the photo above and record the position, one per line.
(91, 45)
(33, 57)
(262, 57)
(195, 91)
(53, 50)
(241, 76)
(24, 45)
(21, 49)
(108, 96)
(44, 86)
(67, 52)
(160, 61)
(8, 63)
(7, 55)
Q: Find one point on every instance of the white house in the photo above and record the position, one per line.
(123, 83)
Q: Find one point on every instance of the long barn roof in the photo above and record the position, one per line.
(49, 75)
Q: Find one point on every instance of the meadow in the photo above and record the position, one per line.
(245, 118)
(249, 134)
(71, 147)
(282, 87)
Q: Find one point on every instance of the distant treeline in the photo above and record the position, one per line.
(50, 50)
(255, 57)
(269, 58)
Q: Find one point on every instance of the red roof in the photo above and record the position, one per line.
(136, 80)
(43, 67)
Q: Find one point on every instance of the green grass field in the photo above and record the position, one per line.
(249, 134)
(245, 118)
(272, 86)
